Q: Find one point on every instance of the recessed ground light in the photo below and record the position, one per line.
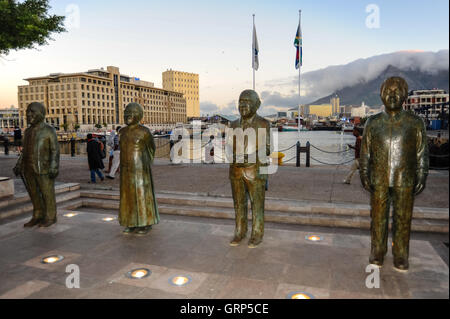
(70, 214)
(180, 280)
(300, 295)
(52, 259)
(313, 238)
(138, 273)
(108, 219)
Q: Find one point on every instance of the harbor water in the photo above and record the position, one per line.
(330, 147)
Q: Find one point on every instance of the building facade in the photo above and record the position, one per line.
(98, 97)
(322, 110)
(335, 108)
(9, 118)
(186, 83)
(428, 104)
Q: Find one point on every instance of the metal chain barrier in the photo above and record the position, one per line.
(329, 151)
(285, 161)
(287, 148)
(332, 163)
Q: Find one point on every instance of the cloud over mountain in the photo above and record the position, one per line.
(319, 83)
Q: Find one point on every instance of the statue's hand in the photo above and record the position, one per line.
(366, 185)
(16, 170)
(420, 186)
(52, 173)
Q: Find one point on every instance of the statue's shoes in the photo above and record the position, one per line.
(32, 222)
(46, 223)
(128, 230)
(254, 242)
(401, 264)
(143, 230)
(236, 241)
(377, 259)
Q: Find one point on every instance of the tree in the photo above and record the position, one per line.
(98, 126)
(27, 24)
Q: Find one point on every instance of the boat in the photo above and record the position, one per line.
(288, 128)
(347, 128)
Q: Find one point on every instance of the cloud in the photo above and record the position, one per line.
(208, 108)
(319, 83)
(212, 108)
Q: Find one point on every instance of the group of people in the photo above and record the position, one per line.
(96, 153)
(393, 165)
(17, 141)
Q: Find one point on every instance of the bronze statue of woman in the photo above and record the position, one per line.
(138, 209)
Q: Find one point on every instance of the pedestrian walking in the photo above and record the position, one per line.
(94, 158)
(209, 151)
(357, 148)
(5, 144)
(18, 139)
(116, 156)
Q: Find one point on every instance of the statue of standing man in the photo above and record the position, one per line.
(38, 166)
(248, 144)
(393, 168)
(138, 209)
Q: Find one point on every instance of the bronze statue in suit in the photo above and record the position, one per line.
(38, 166)
(245, 174)
(393, 168)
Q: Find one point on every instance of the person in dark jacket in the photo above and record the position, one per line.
(94, 158)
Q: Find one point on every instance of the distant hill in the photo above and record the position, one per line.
(369, 91)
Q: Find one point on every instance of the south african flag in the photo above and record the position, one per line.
(298, 45)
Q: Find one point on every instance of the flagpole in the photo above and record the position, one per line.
(299, 67)
(253, 54)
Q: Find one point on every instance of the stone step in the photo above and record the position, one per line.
(22, 207)
(24, 197)
(272, 204)
(314, 218)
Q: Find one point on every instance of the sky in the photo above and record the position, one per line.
(214, 39)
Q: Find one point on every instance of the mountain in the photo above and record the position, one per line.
(369, 91)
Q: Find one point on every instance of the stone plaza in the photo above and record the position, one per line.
(196, 226)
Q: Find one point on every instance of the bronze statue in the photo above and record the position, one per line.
(138, 209)
(393, 168)
(245, 174)
(38, 166)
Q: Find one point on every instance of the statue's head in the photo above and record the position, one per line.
(394, 92)
(35, 113)
(249, 103)
(133, 113)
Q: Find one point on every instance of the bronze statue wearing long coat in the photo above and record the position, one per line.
(38, 166)
(138, 208)
(393, 168)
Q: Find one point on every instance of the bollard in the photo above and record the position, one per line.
(297, 154)
(308, 149)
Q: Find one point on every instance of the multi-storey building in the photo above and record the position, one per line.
(428, 104)
(334, 101)
(186, 83)
(99, 97)
(322, 110)
(9, 119)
